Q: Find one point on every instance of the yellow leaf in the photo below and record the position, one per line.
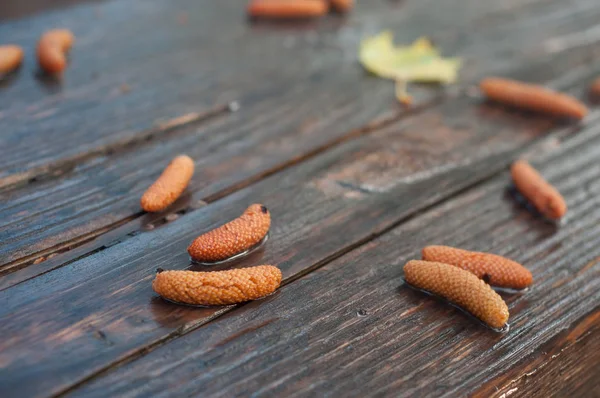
(419, 62)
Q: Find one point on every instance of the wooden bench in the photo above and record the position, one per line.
(284, 115)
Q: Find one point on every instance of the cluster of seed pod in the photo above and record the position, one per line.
(51, 53)
(463, 278)
(296, 9)
(459, 276)
(222, 243)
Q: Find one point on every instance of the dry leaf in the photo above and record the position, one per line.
(419, 62)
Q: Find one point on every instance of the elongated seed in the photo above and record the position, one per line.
(218, 287)
(52, 49)
(10, 58)
(342, 5)
(169, 186)
(532, 97)
(538, 191)
(493, 269)
(289, 9)
(233, 238)
(459, 287)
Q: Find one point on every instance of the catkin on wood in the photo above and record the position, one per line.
(218, 287)
(459, 287)
(52, 49)
(10, 58)
(169, 186)
(493, 269)
(289, 9)
(342, 5)
(235, 237)
(532, 97)
(538, 191)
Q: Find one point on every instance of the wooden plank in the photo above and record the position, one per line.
(233, 149)
(352, 328)
(197, 71)
(240, 148)
(101, 307)
(35, 125)
(568, 365)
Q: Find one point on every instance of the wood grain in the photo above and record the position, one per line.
(95, 309)
(567, 365)
(352, 328)
(364, 186)
(238, 149)
(171, 70)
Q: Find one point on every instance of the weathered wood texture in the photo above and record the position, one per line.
(567, 365)
(171, 69)
(299, 144)
(276, 125)
(101, 306)
(352, 328)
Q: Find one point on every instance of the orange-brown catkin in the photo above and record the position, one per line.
(538, 191)
(459, 287)
(287, 9)
(493, 269)
(233, 238)
(218, 287)
(10, 58)
(342, 5)
(170, 185)
(52, 48)
(532, 97)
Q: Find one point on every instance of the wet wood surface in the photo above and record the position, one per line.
(362, 331)
(268, 133)
(282, 114)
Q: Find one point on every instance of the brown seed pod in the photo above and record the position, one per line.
(342, 5)
(10, 58)
(289, 9)
(493, 269)
(52, 49)
(461, 288)
(532, 97)
(169, 186)
(218, 287)
(538, 191)
(235, 237)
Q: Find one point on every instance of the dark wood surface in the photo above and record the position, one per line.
(85, 206)
(356, 185)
